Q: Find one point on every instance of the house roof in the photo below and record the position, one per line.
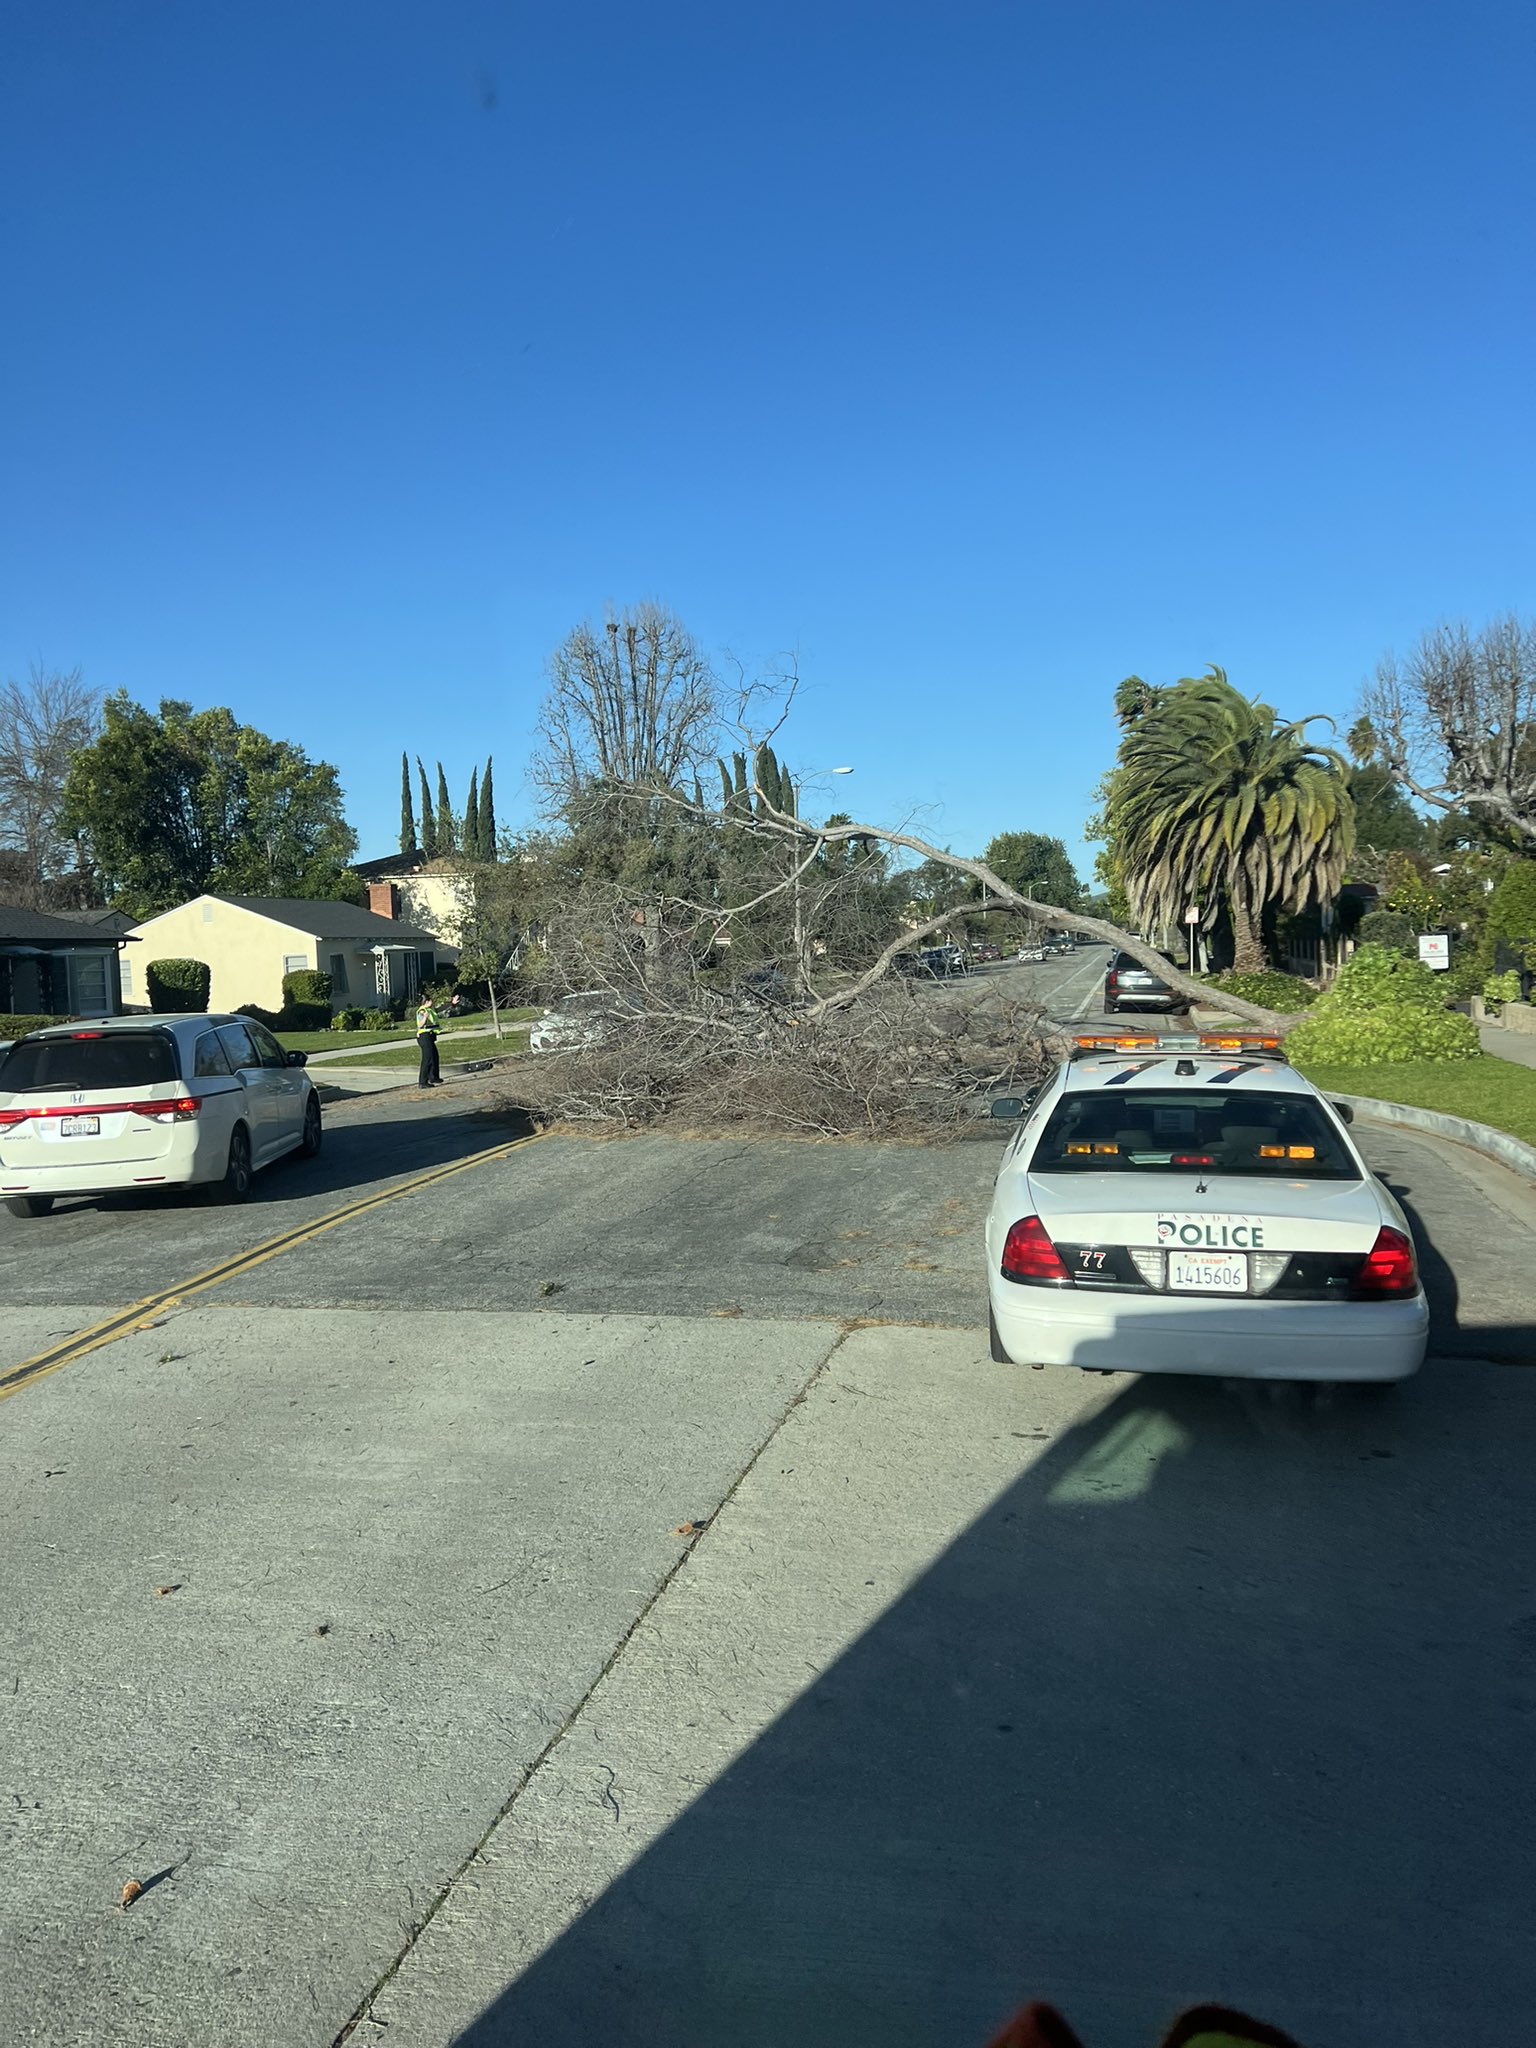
(329, 920)
(115, 921)
(42, 928)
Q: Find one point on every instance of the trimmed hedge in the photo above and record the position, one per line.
(306, 1000)
(1391, 929)
(178, 984)
(18, 1025)
(271, 1018)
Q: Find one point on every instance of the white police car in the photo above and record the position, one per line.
(1194, 1205)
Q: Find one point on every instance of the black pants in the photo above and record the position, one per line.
(430, 1074)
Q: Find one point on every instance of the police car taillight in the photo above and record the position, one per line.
(1388, 1269)
(1029, 1254)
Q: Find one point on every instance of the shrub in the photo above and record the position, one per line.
(1374, 979)
(1271, 989)
(377, 1020)
(178, 984)
(271, 1018)
(306, 985)
(1340, 1037)
(1512, 911)
(350, 1019)
(1388, 928)
(1498, 989)
(18, 1025)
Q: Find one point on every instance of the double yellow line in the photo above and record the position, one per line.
(142, 1313)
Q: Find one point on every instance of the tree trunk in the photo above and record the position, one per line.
(1248, 954)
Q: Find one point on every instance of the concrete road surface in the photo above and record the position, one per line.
(607, 1593)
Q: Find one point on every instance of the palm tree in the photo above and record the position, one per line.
(1214, 796)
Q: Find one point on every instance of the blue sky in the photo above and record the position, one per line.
(981, 353)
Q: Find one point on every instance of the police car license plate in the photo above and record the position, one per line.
(1207, 1273)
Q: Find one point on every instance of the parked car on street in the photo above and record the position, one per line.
(583, 1018)
(1130, 986)
(986, 951)
(1031, 954)
(1193, 1205)
(140, 1102)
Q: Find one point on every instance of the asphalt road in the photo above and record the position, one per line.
(608, 1594)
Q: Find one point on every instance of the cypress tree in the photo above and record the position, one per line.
(407, 814)
(429, 845)
(446, 842)
(471, 844)
(487, 815)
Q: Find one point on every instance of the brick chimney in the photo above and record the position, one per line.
(383, 899)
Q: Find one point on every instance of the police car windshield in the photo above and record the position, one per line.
(1149, 1130)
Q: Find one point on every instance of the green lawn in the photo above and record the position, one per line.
(337, 1041)
(1489, 1091)
(481, 1046)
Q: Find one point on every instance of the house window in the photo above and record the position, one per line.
(126, 969)
(295, 963)
(339, 974)
(207, 913)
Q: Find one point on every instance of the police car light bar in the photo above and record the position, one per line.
(1201, 1041)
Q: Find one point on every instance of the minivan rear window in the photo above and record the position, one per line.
(1146, 1130)
(114, 1059)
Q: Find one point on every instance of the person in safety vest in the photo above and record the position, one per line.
(428, 1024)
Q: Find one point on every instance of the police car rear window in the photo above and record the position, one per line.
(1148, 1130)
(111, 1059)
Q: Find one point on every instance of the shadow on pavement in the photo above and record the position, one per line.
(1231, 1695)
(1454, 1331)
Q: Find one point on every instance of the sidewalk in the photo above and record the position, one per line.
(1519, 1047)
(401, 1044)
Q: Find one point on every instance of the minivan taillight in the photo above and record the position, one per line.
(1387, 1270)
(1029, 1254)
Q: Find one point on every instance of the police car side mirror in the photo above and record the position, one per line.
(1009, 1108)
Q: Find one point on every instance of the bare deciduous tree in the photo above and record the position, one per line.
(43, 724)
(634, 704)
(1456, 721)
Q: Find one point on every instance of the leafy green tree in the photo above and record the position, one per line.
(176, 802)
(407, 814)
(429, 845)
(1037, 866)
(488, 815)
(1215, 794)
(1512, 912)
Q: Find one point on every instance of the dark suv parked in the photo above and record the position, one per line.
(1130, 986)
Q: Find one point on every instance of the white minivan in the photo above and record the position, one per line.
(148, 1102)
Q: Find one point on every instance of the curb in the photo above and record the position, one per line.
(1480, 1137)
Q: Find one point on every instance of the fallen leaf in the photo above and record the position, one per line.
(692, 1528)
(725, 1311)
(131, 1891)
(161, 1591)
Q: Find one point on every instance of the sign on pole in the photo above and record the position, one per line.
(1192, 915)
(1435, 949)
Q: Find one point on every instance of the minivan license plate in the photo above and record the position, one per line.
(79, 1126)
(1207, 1273)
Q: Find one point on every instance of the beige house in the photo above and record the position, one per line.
(440, 897)
(250, 942)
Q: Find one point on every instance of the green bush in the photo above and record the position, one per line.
(1391, 929)
(271, 1018)
(1500, 989)
(18, 1025)
(1374, 979)
(1271, 989)
(306, 1000)
(1335, 1037)
(377, 1020)
(177, 984)
(1512, 911)
(350, 1019)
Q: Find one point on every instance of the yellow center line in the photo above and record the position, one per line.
(140, 1313)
